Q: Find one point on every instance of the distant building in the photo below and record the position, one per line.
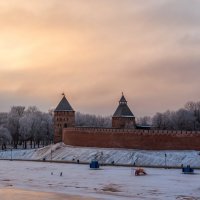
(123, 117)
(64, 117)
(124, 132)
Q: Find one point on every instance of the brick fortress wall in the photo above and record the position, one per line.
(133, 139)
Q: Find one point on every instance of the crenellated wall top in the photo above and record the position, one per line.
(134, 131)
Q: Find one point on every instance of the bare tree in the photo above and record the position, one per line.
(25, 130)
(3, 119)
(5, 137)
(194, 108)
(36, 126)
(13, 122)
(144, 121)
(92, 120)
(184, 120)
(157, 121)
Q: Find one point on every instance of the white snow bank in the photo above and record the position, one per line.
(61, 152)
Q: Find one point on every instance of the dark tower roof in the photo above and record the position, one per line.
(123, 110)
(63, 105)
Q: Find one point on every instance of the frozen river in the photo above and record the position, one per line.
(42, 180)
(16, 194)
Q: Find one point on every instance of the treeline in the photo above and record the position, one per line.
(186, 118)
(21, 125)
(30, 126)
(92, 120)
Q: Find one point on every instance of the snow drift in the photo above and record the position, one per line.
(62, 152)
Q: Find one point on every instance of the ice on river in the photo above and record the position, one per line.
(108, 183)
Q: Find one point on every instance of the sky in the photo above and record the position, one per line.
(93, 50)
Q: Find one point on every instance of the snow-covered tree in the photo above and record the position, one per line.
(13, 122)
(5, 137)
(25, 130)
(144, 121)
(92, 120)
(36, 126)
(3, 119)
(183, 120)
(46, 128)
(194, 108)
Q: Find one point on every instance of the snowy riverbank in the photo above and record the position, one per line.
(61, 152)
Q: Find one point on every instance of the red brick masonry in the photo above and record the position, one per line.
(133, 139)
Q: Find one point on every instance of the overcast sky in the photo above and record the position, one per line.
(94, 49)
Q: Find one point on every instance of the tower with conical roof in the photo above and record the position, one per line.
(123, 117)
(64, 117)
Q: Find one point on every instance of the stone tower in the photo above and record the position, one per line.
(64, 116)
(123, 117)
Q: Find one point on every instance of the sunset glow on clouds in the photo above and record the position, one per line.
(93, 50)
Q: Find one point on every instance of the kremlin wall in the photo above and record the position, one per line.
(123, 134)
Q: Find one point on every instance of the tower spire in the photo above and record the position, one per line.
(64, 105)
(123, 99)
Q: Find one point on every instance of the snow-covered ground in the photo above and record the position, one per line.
(62, 152)
(108, 183)
(21, 194)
